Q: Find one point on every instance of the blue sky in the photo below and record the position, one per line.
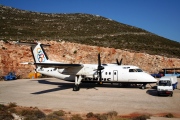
(161, 17)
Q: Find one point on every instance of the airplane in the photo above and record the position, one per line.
(99, 73)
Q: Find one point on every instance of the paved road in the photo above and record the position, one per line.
(55, 94)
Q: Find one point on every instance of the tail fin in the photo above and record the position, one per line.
(38, 52)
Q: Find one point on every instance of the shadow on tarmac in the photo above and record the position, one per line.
(153, 92)
(70, 85)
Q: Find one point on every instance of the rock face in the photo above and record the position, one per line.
(11, 55)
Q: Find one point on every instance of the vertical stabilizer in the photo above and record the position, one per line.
(38, 52)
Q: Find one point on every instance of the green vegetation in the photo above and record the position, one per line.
(76, 117)
(56, 115)
(169, 115)
(112, 115)
(82, 28)
(12, 104)
(4, 113)
(7, 112)
(90, 115)
(32, 114)
(75, 51)
(142, 117)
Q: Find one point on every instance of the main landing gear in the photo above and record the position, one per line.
(77, 83)
(76, 88)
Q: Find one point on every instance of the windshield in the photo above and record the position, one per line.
(139, 70)
(135, 70)
(164, 83)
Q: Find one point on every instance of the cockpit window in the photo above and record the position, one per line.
(135, 70)
(132, 70)
(139, 70)
(126, 67)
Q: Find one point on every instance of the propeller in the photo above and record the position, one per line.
(119, 63)
(99, 68)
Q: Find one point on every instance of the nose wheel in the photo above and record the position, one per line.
(143, 86)
(76, 88)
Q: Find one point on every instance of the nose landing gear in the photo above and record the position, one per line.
(143, 86)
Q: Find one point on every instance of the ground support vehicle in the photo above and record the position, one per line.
(10, 76)
(166, 85)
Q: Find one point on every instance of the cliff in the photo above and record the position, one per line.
(11, 55)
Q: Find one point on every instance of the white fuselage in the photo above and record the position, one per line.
(110, 73)
(87, 72)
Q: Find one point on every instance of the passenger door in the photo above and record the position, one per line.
(115, 75)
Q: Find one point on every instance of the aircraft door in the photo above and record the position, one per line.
(115, 75)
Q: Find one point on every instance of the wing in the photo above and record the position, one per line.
(58, 65)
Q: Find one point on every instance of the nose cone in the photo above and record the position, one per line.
(150, 79)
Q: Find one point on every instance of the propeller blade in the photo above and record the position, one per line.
(119, 63)
(99, 68)
(100, 77)
(99, 60)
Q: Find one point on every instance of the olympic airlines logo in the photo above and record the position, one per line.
(96, 79)
(40, 55)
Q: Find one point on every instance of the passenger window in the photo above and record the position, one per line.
(131, 70)
(139, 70)
(106, 73)
(114, 73)
(109, 73)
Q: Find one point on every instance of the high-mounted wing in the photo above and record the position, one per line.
(58, 65)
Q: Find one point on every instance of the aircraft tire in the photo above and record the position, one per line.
(142, 87)
(76, 88)
(158, 93)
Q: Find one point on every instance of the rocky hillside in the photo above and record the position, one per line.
(11, 55)
(85, 29)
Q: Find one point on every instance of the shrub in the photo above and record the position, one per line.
(142, 117)
(75, 51)
(53, 117)
(59, 113)
(103, 117)
(4, 115)
(12, 104)
(12, 110)
(169, 115)
(112, 113)
(2, 107)
(76, 117)
(89, 115)
(32, 114)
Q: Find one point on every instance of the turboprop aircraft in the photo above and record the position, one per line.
(100, 73)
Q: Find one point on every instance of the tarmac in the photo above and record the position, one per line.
(56, 94)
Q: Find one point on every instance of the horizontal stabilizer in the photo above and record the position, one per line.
(27, 63)
(31, 43)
